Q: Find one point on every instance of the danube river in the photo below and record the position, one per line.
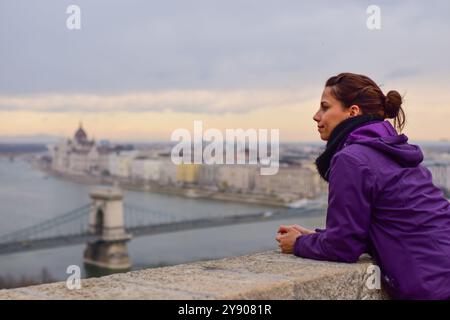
(28, 196)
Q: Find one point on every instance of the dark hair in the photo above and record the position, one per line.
(355, 89)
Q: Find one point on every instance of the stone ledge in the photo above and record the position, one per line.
(266, 275)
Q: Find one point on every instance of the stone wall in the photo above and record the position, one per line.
(265, 275)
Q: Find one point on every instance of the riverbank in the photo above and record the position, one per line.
(191, 192)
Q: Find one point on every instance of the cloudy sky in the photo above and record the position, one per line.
(141, 69)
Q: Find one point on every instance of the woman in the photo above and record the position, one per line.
(381, 200)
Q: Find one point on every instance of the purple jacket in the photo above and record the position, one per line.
(382, 201)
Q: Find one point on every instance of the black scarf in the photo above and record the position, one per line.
(339, 134)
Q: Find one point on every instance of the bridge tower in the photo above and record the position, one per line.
(106, 221)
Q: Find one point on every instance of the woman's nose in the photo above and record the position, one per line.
(316, 117)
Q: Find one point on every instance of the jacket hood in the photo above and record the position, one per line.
(382, 136)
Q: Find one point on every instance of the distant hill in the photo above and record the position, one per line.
(30, 139)
(10, 148)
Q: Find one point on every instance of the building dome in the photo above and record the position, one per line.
(80, 135)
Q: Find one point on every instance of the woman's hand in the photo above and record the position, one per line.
(287, 235)
(283, 229)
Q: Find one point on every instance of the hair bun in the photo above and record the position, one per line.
(392, 104)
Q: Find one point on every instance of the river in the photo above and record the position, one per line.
(28, 196)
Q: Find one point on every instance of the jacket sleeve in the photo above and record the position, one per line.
(345, 238)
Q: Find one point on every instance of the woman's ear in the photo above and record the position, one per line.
(354, 110)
